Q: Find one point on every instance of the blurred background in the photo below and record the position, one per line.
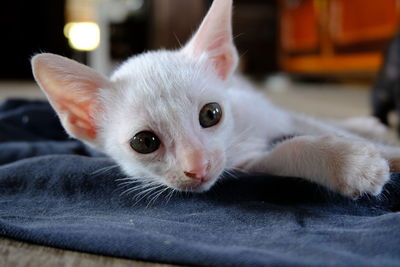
(314, 56)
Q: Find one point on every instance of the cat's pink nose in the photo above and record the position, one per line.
(199, 173)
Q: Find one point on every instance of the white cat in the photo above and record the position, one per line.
(180, 118)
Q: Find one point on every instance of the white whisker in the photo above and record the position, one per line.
(139, 186)
(156, 194)
(103, 170)
(169, 195)
(145, 193)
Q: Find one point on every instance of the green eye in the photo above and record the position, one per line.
(210, 115)
(145, 142)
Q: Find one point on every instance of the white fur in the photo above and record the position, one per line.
(164, 91)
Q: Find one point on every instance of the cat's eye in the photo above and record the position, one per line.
(145, 142)
(210, 115)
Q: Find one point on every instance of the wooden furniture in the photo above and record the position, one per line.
(255, 32)
(335, 36)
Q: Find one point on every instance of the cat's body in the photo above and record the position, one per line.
(181, 118)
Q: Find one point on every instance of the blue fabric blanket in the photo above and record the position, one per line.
(57, 192)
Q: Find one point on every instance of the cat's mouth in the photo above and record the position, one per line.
(194, 185)
(201, 186)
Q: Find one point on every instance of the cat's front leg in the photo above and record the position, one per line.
(350, 167)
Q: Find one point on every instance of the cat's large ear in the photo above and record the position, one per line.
(214, 38)
(72, 89)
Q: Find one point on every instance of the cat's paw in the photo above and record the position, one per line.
(357, 167)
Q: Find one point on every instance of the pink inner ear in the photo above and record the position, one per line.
(221, 40)
(222, 64)
(78, 118)
(221, 52)
(214, 37)
(72, 89)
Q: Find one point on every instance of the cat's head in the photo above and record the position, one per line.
(163, 115)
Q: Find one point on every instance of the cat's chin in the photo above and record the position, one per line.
(194, 186)
(203, 187)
